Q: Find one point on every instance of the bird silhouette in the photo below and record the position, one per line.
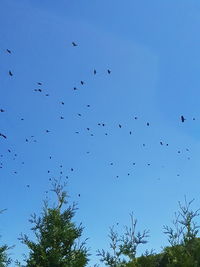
(109, 71)
(61, 117)
(182, 119)
(95, 72)
(3, 135)
(9, 51)
(147, 123)
(39, 83)
(74, 44)
(10, 73)
(82, 82)
(2, 110)
(120, 126)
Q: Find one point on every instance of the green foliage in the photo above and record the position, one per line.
(123, 247)
(57, 237)
(4, 258)
(184, 245)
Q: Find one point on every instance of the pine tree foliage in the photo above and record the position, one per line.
(57, 237)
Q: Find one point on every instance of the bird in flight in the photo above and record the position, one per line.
(10, 73)
(2, 110)
(182, 119)
(120, 126)
(8, 50)
(3, 135)
(95, 72)
(74, 44)
(109, 71)
(82, 82)
(39, 83)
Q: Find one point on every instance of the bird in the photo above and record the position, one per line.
(3, 135)
(147, 123)
(193, 119)
(130, 132)
(72, 169)
(88, 106)
(95, 72)
(9, 51)
(109, 71)
(161, 143)
(10, 73)
(47, 131)
(79, 195)
(74, 44)
(39, 83)
(61, 117)
(75, 88)
(46, 94)
(79, 114)
(120, 126)
(182, 119)
(103, 124)
(135, 118)
(2, 110)
(40, 90)
(62, 103)
(82, 82)
(88, 129)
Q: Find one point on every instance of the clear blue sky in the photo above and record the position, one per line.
(153, 51)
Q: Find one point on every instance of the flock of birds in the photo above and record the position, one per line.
(32, 138)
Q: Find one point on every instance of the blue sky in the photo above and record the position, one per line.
(152, 50)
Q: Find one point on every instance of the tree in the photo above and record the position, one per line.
(57, 237)
(4, 258)
(184, 244)
(123, 247)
